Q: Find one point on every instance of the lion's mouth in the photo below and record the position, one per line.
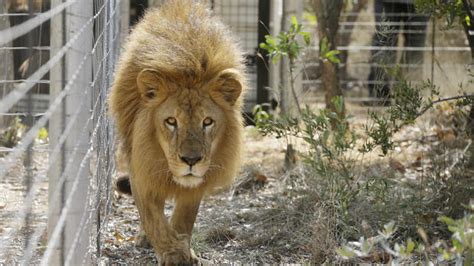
(191, 173)
(189, 176)
(188, 180)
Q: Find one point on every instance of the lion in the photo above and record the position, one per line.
(176, 100)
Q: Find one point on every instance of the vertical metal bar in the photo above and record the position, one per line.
(6, 69)
(113, 30)
(29, 123)
(78, 15)
(100, 93)
(63, 127)
(262, 62)
(63, 29)
(56, 128)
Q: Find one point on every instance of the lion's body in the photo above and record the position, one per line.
(180, 66)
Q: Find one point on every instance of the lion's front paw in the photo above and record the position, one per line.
(179, 257)
(194, 259)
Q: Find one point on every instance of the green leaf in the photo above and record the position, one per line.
(294, 50)
(264, 46)
(389, 229)
(270, 40)
(306, 37)
(458, 246)
(453, 228)
(298, 27)
(366, 246)
(420, 248)
(332, 56)
(283, 38)
(333, 53)
(325, 136)
(346, 252)
(446, 220)
(294, 20)
(43, 134)
(334, 59)
(446, 255)
(410, 246)
(338, 102)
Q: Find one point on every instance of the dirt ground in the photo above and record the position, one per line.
(13, 190)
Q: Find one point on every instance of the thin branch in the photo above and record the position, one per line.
(445, 100)
(428, 107)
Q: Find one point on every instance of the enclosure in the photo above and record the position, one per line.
(369, 181)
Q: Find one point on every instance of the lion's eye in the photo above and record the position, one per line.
(171, 122)
(207, 122)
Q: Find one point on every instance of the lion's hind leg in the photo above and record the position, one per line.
(122, 185)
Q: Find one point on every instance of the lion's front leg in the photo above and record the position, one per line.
(171, 247)
(184, 213)
(184, 216)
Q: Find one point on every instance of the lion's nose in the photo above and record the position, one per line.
(190, 160)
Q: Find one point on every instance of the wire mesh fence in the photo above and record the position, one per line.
(379, 36)
(242, 17)
(56, 157)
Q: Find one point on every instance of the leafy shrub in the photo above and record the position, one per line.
(460, 248)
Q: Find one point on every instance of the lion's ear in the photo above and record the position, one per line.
(151, 85)
(229, 86)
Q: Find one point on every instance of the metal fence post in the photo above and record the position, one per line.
(76, 145)
(6, 71)
(263, 62)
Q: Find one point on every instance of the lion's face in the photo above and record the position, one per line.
(189, 120)
(188, 128)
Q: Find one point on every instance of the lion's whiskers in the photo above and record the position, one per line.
(165, 170)
(216, 166)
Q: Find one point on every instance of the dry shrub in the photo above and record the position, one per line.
(219, 235)
(251, 180)
(301, 227)
(323, 241)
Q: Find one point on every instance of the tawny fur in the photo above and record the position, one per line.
(197, 60)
